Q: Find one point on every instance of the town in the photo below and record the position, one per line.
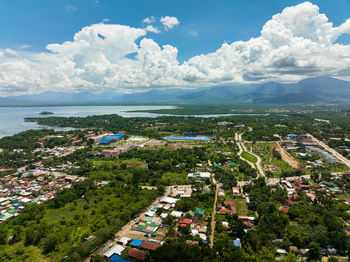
(211, 191)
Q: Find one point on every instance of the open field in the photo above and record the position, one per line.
(286, 156)
(249, 157)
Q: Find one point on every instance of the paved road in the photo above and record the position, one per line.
(213, 221)
(258, 164)
(275, 181)
(341, 158)
(242, 148)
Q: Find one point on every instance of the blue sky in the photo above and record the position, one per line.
(38, 23)
(213, 43)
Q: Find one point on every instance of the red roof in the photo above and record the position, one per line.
(229, 203)
(186, 221)
(3, 170)
(150, 245)
(284, 209)
(135, 253)
(247, 223)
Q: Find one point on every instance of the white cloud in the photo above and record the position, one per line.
(194, 33)
(152, 29)
(70, 8)
(297, 43)
(149, 20)
(106, 20)
(25, 46)
(169, 22)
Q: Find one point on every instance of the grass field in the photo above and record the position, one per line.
(249, 157)
(265, 152)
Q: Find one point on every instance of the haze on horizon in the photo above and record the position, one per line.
(160, 46)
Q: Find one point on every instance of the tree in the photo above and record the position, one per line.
(314, 251)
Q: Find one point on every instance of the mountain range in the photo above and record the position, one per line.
(318, 90)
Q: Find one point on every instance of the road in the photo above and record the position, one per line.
(274, 181)
(341, 158)
(126, 230)
(213, 221)
(242, 148)
(258, 164)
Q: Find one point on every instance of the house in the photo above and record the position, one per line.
(168, 200)
(136, 242)
(117, 258)
(150, 245)
(176, 214)
(138, 254)
(200, 175)
(124, 241)
(221, 193)
(284, 209)
(116, 249)
(235, 191)
(237, 242)
(199, 212)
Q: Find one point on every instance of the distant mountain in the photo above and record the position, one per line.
(311, 91)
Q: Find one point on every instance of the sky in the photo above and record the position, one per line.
(138, 45)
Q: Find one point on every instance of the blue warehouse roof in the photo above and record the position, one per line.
(136, 242)
(194, 138)
(109, 139)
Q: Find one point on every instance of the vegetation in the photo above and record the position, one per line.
(63, 225)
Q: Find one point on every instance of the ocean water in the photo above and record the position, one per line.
(12, 118)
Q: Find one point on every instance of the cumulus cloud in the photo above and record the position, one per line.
(152, 29)
(297, 43)
(169, 22)
(149, 20)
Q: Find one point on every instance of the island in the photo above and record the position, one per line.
(46, 113)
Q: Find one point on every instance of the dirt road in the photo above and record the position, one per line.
(286, 156)
(213, 221)
(126, 230)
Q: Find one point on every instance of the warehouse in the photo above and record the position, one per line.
(110, 139)
(187, 138)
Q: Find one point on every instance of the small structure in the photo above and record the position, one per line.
(199, 212)
(200, 175)
(116, 249)
(150, 245)
(138, 254)
(136, 242)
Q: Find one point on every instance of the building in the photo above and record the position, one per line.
(109, 139)
(200, 175)
(138, 254)
(116, 249)
(187, 138)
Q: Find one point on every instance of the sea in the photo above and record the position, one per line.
(12, 118)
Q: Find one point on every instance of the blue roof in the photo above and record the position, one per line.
(237, 243)
(197, 138)
(108, 139)
(136, 242)
(116, 258)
